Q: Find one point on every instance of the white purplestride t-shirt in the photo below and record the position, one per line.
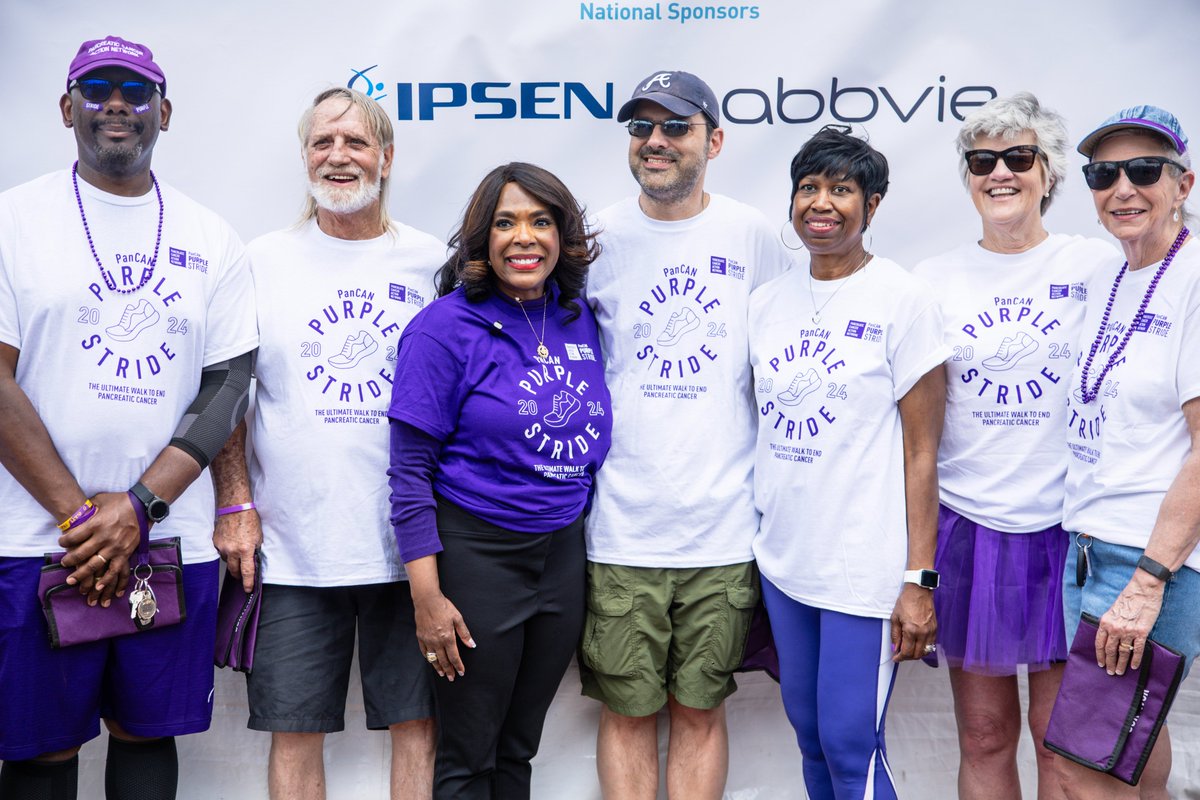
(1012, 322)
(112, 374)
(829, 471)
(671, 301)
(330, 312)
(1127, 445)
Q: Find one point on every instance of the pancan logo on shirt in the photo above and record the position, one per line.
(579, 352)
(867, 331)
(188, 260)
(726, 266)
(405, 294)
(1075, 291)
(1157, 324)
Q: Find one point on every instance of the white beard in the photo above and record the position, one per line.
(338, 200)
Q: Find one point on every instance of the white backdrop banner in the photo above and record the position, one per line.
(471, 84)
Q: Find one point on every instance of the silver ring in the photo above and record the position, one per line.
(930, 648)
(431, 658)
(103, 560)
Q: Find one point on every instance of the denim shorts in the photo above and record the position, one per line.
(1178, 625)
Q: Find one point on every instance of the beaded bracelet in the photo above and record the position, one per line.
(235, 509)
(81, 515)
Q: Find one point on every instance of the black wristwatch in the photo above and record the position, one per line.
(925, 578)
(157, 509)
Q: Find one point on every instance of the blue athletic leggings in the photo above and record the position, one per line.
(836, 675)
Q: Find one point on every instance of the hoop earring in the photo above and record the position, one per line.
(870, 241)
(783, 238)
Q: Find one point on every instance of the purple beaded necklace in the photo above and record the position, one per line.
(1090, 395)
(108, 281)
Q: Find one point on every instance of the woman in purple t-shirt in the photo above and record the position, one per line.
(500, 419)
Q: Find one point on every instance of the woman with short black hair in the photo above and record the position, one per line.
(847, 374)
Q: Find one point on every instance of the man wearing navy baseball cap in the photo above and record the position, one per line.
(127, 333)
(671, 577)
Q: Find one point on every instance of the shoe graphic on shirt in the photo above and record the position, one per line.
(356, 348)
(137, 318)
(680, 323)
(565, 406)
(1010, 352)
(804, 384)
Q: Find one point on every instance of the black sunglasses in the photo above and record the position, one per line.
(1017, 159)
(1141, 171)
(671, 128)
(98, 90)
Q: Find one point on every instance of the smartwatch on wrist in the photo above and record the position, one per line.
(157, 509)
(925, 578)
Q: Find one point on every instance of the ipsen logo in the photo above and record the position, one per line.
(429, 100)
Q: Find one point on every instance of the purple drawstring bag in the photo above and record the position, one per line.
(237, 621)
(1109, 723)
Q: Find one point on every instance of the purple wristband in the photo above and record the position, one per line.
(235, 509)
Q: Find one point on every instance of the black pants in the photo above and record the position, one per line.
(522, 597)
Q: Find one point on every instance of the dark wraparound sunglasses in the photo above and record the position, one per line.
(1018, 159)
(1141, 171)
(98, 90)
(671, 128)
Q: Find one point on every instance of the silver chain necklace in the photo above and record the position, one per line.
(816, 317)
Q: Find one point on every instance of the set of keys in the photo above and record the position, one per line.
(143, 605)
(1083, 561)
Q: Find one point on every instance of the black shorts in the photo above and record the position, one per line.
(305, 646)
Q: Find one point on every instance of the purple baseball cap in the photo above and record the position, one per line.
(678, 92)
(113, 51)
(1150, 118)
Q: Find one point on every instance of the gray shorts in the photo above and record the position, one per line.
(305, 646)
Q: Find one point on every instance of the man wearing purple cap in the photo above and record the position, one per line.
(671, 577)
(121, 375)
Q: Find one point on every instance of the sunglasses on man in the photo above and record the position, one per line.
(1018, 159)
(98, 90)
(671, 128)
(1141, 171)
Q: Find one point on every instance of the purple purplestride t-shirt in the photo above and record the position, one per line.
(522, 436)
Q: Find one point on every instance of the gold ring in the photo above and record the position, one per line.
(1125, 646)
(103, 560)
(431, 658)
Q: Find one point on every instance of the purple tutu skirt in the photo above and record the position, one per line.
(1000, 600)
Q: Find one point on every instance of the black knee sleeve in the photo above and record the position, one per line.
(34, 780)
(141, 770)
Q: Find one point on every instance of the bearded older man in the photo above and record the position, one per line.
(336, 292)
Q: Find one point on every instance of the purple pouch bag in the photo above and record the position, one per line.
(71, 620)
(760, 652)
(1109, 723)
(237, 621)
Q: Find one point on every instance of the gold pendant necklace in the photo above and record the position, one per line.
(542, 350)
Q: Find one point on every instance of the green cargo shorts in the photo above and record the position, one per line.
(650, 631)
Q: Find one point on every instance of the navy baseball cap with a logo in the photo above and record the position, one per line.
(678, 92)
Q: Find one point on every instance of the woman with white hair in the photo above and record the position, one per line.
(1133, 476)
(1014, 301)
